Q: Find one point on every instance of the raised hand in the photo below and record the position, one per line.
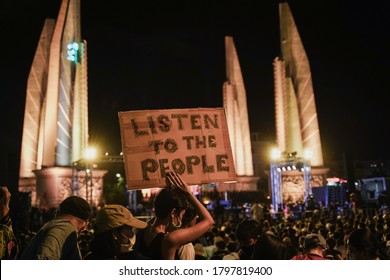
(174, 180)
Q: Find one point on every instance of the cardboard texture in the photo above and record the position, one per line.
(192, 142)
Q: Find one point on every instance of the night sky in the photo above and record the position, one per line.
(170, 54)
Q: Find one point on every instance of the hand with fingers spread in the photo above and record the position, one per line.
(174, 180)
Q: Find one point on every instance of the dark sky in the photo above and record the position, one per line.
(170, 54)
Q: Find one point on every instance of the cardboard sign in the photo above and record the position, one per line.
(192, 142)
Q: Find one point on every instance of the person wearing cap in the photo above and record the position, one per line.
(115, 234)
(314, 246)
(58, 238)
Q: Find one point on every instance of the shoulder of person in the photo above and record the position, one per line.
(62, 224)
(59, 227)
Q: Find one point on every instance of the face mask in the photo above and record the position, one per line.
(127, 247)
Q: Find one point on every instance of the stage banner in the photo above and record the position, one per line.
(192, 142)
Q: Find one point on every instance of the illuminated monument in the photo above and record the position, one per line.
(297, 129)
(234, 101)
(55, 130)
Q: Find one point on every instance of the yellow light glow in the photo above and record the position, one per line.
(90, 153)
(275, 154)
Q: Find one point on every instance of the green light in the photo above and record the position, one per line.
(72, 51)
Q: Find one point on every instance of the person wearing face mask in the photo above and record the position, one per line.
(58, 238)
(115, 234)
(162, 238)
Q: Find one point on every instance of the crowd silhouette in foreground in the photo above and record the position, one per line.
(183, 229)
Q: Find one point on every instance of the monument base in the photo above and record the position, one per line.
(52, 185)
(318, 176)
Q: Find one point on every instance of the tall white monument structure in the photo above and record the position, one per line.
(234, 101)
(55, 130)
(297, 128)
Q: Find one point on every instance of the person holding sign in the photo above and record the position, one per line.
(162, 238)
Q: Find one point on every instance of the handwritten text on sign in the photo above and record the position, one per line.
(192, 142)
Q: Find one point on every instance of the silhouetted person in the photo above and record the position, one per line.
(58, 238)
(162, 238)
(115, 234)
(8, 242)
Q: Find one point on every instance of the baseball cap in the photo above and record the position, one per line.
(115, 215)
(76, 206)
(313, 239)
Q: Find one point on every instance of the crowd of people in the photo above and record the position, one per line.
(182, 228)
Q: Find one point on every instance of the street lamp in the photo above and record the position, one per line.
(90, 154)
